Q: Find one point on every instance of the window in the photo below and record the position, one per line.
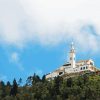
(60, 73)
(67, 65)
(86, 67)
(91, 63)
(70, 58)
(81, 68)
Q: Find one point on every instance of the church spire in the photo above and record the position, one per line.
(72, 55)
(72, 47)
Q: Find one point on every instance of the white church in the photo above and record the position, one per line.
(73, 66)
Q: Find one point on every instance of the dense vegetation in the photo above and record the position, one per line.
(85, 87)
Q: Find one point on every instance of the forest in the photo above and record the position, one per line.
(83, 87)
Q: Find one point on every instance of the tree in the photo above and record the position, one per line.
(29, 81)
(2, 89)
(8, 88)
(57, 82)
(20, 81)
(69, 82)
(14, 89)
(35, 79)
(8, 84)
(43, 78)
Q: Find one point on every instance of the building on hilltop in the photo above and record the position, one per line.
(73, 66)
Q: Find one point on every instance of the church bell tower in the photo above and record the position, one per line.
(72, 56)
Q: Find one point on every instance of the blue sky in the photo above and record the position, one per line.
(35, 35)
(16, 63)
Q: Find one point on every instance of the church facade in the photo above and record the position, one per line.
(73, 66)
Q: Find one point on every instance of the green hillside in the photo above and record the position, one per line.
(84, 87)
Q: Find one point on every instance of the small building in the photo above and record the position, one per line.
(73, 66)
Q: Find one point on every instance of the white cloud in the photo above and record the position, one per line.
(15, 58)
(50, 22)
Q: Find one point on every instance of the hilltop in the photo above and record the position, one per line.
(83, 87)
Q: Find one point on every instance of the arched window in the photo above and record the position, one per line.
(81, 68)
(86, 67)
(60, 73)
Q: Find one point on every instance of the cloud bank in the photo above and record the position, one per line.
(50, 22)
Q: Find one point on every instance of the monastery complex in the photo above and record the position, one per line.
(73, 67)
